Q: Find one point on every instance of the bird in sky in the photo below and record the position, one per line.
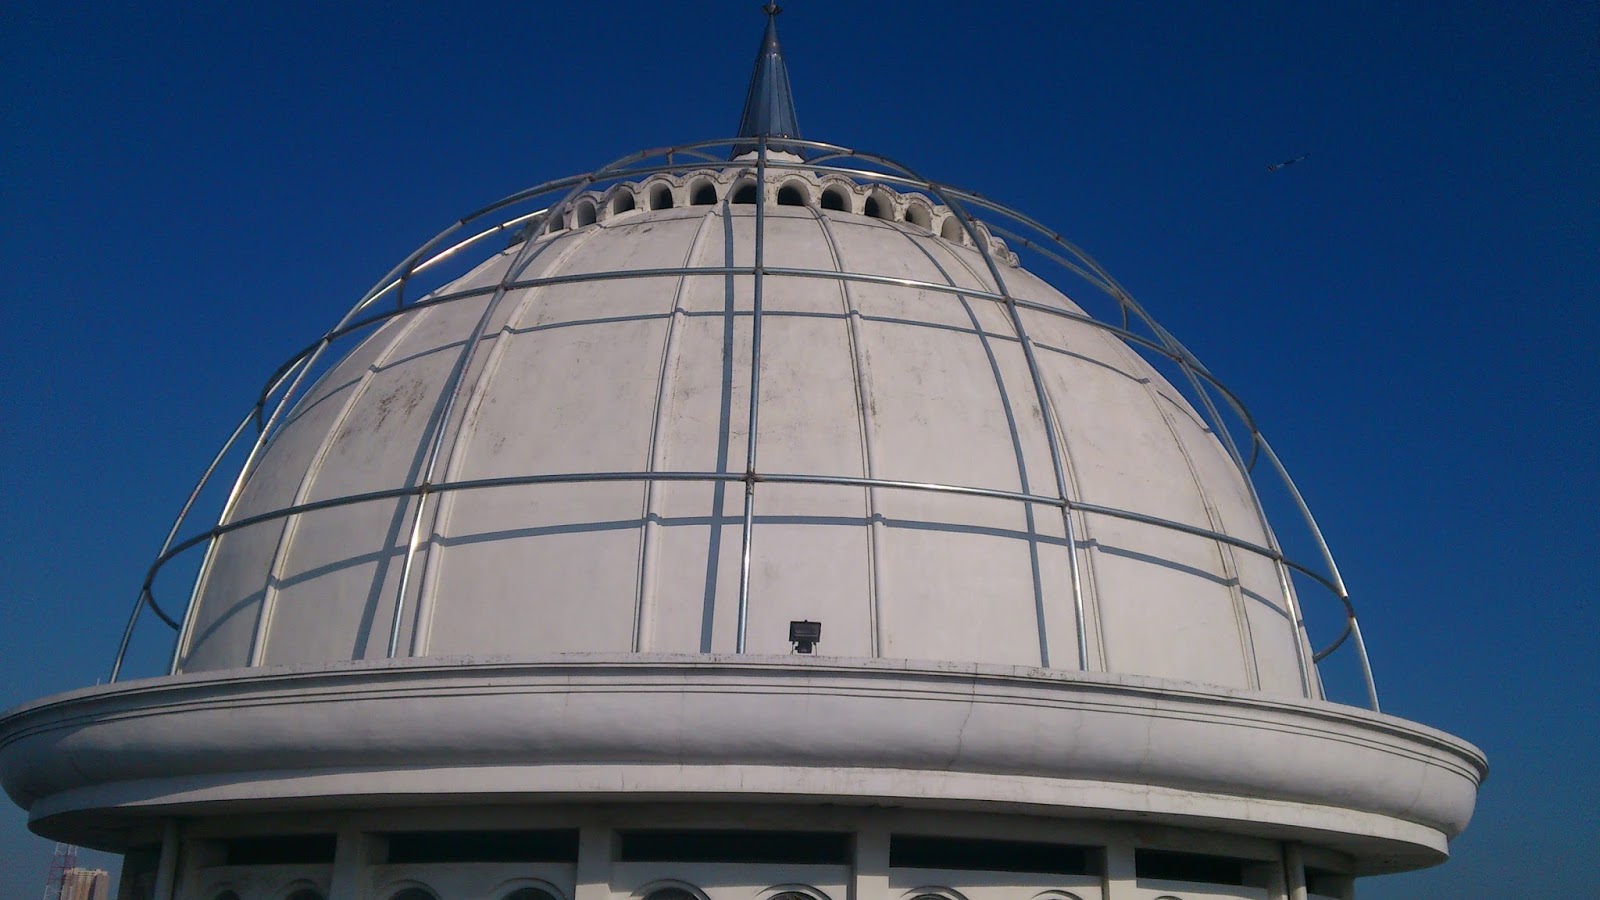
(1288, 162)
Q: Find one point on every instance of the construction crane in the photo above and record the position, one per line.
(64, 860)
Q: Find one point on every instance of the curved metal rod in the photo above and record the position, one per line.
(172, 533)
(1057, 456)
(1349, 626)
(457, 379)
(775, 478)
(1047, 413)
(722, 271)
(816, 157)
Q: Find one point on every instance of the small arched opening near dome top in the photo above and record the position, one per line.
(919, 215)
(744, 193)
(951, 230)
(836, 198)
(225, 895)
(702, 192)
(622, 201)
(792, 194)
(412, 892)
(584, 214)
(661, 197)
(879, 205)
(556, 223)
(305, 893)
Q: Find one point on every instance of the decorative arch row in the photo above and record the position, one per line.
(521, 889)
(668, 889)
(672, 889)
(737, 186)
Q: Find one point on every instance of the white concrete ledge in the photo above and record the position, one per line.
(816, 729)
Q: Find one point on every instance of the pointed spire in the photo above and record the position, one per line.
(769, 105)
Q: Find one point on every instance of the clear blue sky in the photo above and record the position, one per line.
(189, 194)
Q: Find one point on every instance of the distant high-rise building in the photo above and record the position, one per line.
(85, 884)
(752, 519)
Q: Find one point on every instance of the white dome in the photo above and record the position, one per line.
(627, 399)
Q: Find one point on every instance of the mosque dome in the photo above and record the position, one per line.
(743, 519)
(581, 402)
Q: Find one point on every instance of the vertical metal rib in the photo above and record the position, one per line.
(869, 461)
(755, 395)
(1046, 411)
(421, 618)
(1327, 557)
(295, 374)
(1366, 665)
(1189, 364)
(1040, 617)
(172, 533)
(452, 395)
(291, 526)
(647, 528)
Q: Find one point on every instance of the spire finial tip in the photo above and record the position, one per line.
(772, 9)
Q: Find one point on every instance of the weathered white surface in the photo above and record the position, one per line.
(653, 374)
(740, 729)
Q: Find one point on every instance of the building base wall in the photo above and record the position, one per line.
(725, 852)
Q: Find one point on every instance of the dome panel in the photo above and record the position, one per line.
(1121, 450)
(867, 245)
(812, 562)
(938, 413)
(705, 411)
(660, 240)
(1271, 629)
(810, 417)
(234, 582)
(1030, 442)
(962, 591)
(794, 240)
(534, 570)
(693, 555)
(223, 627)
(958, 266)
(794, 295)
(1165, 608)
(886, 304)
(598, 421)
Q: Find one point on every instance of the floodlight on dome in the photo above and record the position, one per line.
(804, 635)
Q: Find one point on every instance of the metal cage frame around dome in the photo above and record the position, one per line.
(783, 156)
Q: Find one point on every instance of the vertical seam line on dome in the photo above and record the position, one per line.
(308, 479)
(1225, 554)
(293, 377)
(864, 419)
(970, 225)
(1057, 456)
(526, 253)
(1040, 618)
(1187, 363)
(422, 616)
(246, 471)
(645, 595)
